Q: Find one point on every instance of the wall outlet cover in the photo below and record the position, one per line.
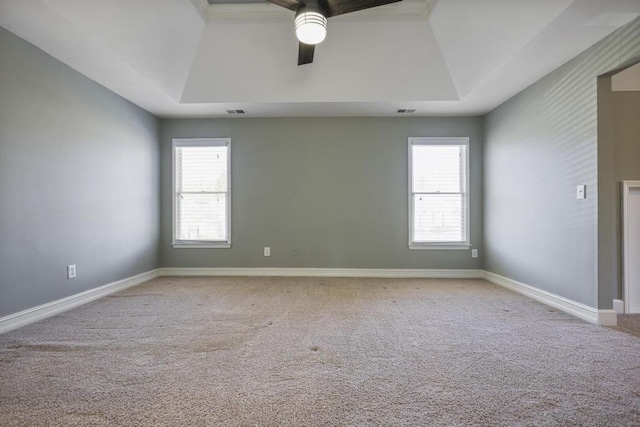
(267, 251)
(71, 271)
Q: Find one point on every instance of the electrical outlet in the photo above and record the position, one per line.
(267, 251)
(71, 271)
(295, 251)
(474, 253)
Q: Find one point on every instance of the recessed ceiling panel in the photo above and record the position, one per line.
(358, 62)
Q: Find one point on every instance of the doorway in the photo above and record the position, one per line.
(631, 245)
(618, 162)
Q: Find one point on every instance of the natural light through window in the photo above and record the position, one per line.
(438, 193)
(201, 203)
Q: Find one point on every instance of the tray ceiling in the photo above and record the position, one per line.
(190, 58)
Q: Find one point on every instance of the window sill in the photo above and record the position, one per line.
(201, 245)
(444, 246)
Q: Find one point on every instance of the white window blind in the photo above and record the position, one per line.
(201, 192)
(438, 196)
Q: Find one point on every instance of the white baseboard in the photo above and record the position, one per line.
(590, 314)
(618, 306)
(607, 318)
(326, 272)
(31, 315)
(25, 317)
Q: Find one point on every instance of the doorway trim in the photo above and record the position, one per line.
(626, 188)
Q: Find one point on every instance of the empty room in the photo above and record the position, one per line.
(320, 213)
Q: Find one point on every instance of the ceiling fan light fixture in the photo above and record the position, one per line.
(311, 26)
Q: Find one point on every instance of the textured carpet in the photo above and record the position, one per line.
(629, 323)
(318, 352)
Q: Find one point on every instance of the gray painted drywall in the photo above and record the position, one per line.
(619, 160)
(607, 249)
(79, 181)
(538, 147)
(336, 188)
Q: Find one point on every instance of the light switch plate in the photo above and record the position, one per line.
(581, 192)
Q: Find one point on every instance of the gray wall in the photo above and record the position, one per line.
(539, 146)
(618, 160)
(79, 181)
(336, 188)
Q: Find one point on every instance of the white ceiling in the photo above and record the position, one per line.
(187, 58)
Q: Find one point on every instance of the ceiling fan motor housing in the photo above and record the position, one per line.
(311, 25)
(311, 19)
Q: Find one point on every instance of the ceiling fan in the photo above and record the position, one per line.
(311, 19)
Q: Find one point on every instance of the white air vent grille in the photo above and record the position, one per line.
(405, 110)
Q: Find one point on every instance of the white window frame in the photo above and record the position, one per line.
(437, 245)
(199, 142)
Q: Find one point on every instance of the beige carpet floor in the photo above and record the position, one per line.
(318, 352)
(629, 323)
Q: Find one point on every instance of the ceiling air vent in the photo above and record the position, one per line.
(405, 110)
(236, 112)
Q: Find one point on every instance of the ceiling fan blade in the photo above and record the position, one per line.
(340, 7)
(305, 53)
(287, 4)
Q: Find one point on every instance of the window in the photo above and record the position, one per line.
(438, 193)
(201, 193)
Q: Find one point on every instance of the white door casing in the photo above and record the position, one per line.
(631, 245)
